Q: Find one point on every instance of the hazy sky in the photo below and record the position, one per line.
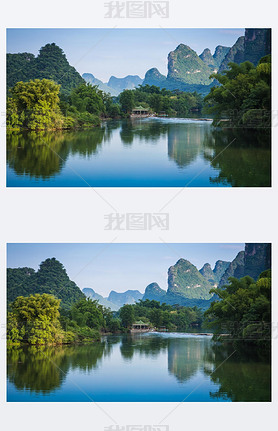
(120, 267)
(119, 52)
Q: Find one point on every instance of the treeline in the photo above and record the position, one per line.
(157, 315)
(172, 103)
(39, 105)
(244, 96)
(39, 319)
(243, 310)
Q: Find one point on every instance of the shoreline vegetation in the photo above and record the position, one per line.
(240, 98)
(241, 313)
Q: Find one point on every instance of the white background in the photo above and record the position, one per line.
(77, 215)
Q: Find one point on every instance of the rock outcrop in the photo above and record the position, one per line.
(257, 44)
(234, 55)
(257, 258)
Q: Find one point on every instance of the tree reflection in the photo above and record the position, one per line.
(43, 369)
(147, 131)
(240, 158)
(244, 376)
(148, 346)
(243, 157)
(42, 155)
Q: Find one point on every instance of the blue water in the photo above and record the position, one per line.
(151, 152)
(147, 367)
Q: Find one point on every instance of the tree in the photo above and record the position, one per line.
(127, 315)
(88, 98)
(244, 96)
(36, 105)
(87, 312)
(36, 317)
(244, 309)
(156, 317)
(127, 101)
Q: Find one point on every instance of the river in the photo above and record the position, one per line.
(158, 367)
(150, 152)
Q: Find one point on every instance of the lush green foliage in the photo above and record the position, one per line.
(34, 105)
(161, 315)
(171, 102)
(89, 100)
(127, 315)
(244, 97)
(127, 101)
(35, 320)
(87, 318)
(244, 309)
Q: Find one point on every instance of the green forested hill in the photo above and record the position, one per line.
(186, 66)
(184, 279)
(51, 278)
(154, 292)
(51, 63)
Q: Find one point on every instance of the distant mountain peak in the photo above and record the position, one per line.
(184, 279)
(154, 292)
(186, 66)
(127, 83)
(207, 272)
(127, 297)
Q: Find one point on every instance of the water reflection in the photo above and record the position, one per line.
(231, 157)
(42, 155)
(245, 376)
(43, 369)
(243, 158)
(186, 143)
(187, 356)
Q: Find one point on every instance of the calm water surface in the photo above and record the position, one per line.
(150, 152)
(142, 367)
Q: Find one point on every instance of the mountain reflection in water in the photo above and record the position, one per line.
(142, 367)
(150, 152)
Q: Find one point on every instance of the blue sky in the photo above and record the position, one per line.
(119, 52)
(106, 267)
